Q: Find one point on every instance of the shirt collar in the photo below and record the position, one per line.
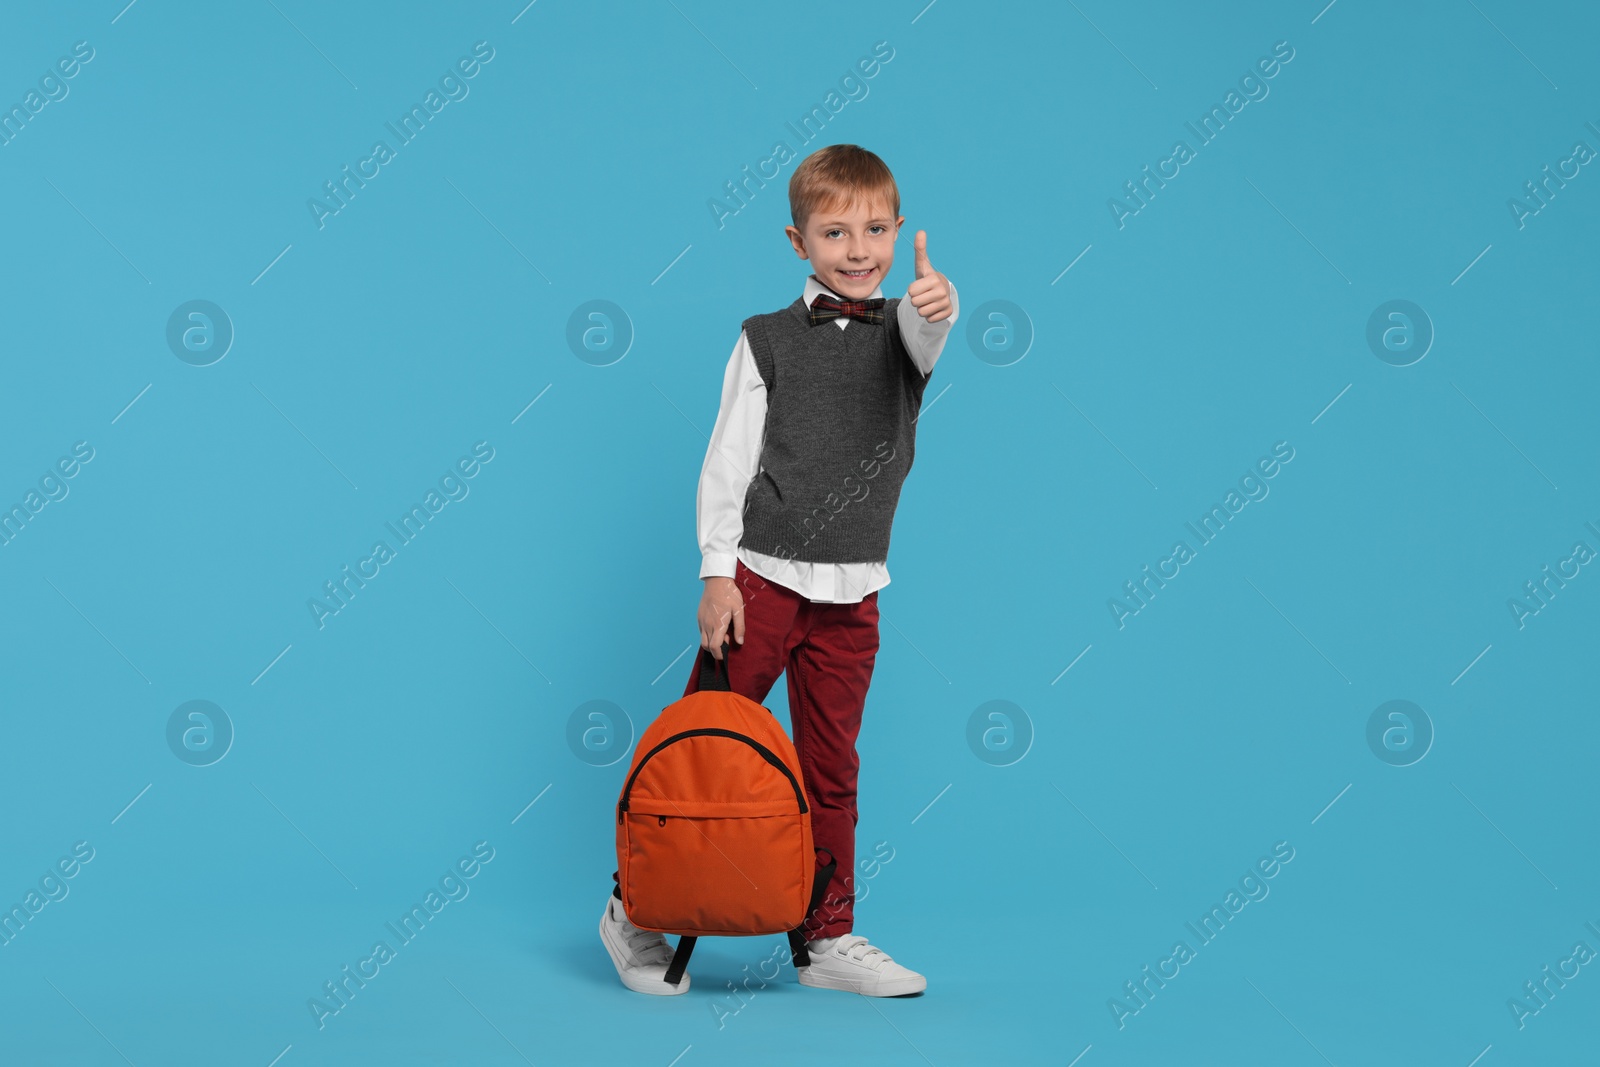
(813, 287)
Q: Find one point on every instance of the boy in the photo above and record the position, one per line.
(815, 435)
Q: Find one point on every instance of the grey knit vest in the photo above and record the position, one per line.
(840, 436)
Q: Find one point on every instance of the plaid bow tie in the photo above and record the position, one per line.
(825, 308)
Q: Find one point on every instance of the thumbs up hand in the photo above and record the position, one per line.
(929, 292)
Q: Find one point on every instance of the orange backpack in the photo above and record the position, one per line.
(713, 827)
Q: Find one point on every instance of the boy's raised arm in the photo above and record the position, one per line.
(927, 311)
(732, 458)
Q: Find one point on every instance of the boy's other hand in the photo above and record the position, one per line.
(720, 603)
(929, 293)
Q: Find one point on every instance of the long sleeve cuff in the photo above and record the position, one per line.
(925, 340)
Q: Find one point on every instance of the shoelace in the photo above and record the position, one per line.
(848, 945)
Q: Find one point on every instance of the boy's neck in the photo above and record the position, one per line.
(810, 292)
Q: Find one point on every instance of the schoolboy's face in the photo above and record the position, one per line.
(851, 250)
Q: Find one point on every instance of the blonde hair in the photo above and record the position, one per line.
(836, 176)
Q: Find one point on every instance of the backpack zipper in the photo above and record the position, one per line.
(766, 754)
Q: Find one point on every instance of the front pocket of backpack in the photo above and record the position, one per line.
(715, 875)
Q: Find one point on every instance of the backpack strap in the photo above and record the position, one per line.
(797, 949)
(710, 676)
(680, 959)
(819, 888)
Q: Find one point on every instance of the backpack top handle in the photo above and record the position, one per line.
(711, 676)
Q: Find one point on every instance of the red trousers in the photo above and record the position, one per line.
(827, 652)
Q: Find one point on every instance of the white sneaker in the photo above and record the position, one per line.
(851, 964)
(641, 956)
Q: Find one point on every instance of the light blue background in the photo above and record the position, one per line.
(427, 715)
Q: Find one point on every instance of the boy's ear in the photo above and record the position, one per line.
(797, 239)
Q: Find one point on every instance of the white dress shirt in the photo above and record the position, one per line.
(734, 454)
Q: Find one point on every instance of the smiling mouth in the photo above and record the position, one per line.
(857, 273)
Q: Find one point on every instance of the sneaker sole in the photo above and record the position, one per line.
(896, 987)
(657, 987)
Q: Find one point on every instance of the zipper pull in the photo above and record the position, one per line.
(663, 819)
